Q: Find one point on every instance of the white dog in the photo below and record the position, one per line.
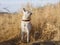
(25, 23)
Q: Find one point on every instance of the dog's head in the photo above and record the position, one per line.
(26, 12)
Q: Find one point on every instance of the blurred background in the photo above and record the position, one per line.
(45, 21)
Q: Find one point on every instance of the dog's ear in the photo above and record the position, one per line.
(24, 9)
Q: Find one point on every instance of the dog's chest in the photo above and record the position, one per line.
(26, 25)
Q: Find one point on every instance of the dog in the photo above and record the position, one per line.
(25, 23)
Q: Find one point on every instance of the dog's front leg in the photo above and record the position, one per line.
(27, 36)
(21, 35)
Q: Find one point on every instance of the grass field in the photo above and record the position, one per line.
(45, 20)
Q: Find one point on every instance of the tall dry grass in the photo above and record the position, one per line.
(45, 20)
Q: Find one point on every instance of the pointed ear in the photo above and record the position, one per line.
(24, 9)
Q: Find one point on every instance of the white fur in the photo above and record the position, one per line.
(25, 25)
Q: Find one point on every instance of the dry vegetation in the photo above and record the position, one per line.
(45, 21)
